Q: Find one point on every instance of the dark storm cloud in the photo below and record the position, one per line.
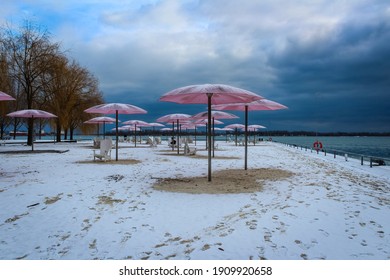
(328, 61)
(342, 80)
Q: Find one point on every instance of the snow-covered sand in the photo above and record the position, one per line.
(64, 206)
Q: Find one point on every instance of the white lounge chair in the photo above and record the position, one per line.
(151, 142)
(96, 142)
(105, 150)
(189, 151)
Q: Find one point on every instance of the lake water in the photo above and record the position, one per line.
(367, 146)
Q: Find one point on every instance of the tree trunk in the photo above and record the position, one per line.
(71, 133)
(15, 129)
(58, 132)
(30, 132)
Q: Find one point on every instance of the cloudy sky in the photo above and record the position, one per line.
(327, 60)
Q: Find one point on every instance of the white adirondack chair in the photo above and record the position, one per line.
(189, 151)
(105, 150)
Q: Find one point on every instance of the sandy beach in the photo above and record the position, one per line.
(153, 204)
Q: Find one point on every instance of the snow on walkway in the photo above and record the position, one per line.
(64, 206)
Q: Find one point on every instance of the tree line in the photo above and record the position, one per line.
(39, 75)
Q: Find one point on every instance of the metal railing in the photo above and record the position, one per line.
(371, 160)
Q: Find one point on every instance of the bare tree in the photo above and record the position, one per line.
(29, 53)
(7, 85)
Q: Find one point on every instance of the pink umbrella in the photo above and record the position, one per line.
(99, 120)
(235, 125)
(32, 113)
(206, 121)
(172, 118)
(136, 123)
(254, 127)
(115, 108)
(5, 97)
(263, 104)
(154, 124)
(217, 115)
(209, 94)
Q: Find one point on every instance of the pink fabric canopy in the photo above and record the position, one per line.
(220, 94)
(173, 117)
(5, 97)
(32, 113)
(103, 120)
(217, 115)
(115, 108)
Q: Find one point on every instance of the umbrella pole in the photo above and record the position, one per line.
(116, 134)
(135, 135)
(178, 133)
(195, 135)
(173, 135)
(32, 140)
(213, 137)
(246, 137)
(209, 95)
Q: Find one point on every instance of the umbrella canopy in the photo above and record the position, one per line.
(206, 121)
(103, 120)
(209, 94)
(156, 124)
(173, 117)
(258, 105)
(235, 125)
(217, 115)
(5, 97)
(32, 113)
(115, 108)
(219, 93)
(255, 126)
(137, 123)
